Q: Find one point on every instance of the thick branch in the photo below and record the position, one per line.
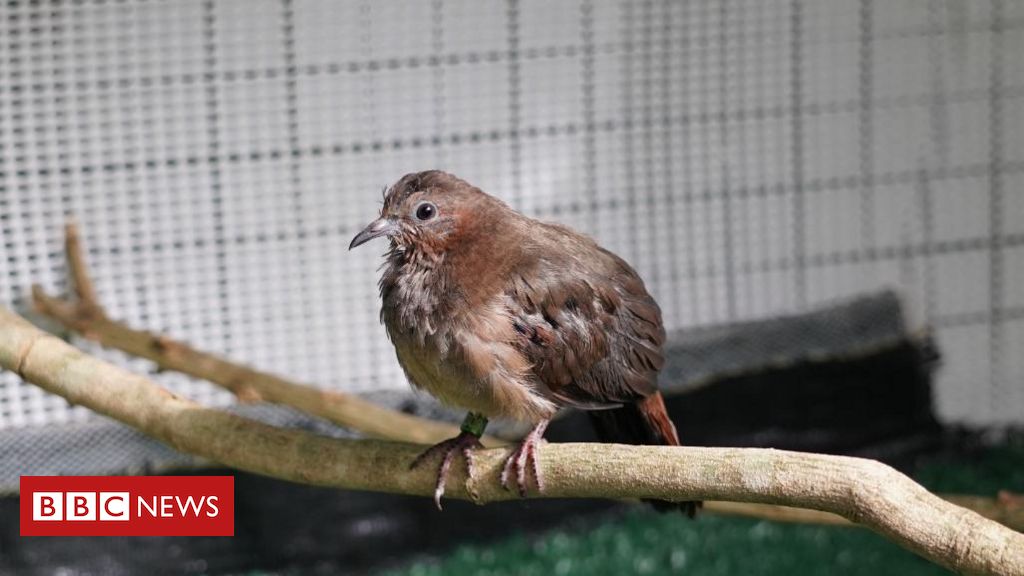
(863, 491)
(87, 317)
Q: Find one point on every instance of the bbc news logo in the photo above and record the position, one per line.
(127, 506)
(116, 506)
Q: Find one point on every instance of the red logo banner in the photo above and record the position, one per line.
(127, 506)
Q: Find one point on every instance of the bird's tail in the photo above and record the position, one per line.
(645, 422)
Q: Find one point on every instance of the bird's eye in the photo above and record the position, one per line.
(425, 211)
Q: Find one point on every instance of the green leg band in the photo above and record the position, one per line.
(474, 424)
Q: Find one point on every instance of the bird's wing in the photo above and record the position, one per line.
(592, 334)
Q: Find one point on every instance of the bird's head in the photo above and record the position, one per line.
(426, 211)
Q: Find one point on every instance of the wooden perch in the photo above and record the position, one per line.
(86, 316)
(862, 491)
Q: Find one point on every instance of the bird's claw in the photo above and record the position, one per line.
(522, 459)
(464, 443)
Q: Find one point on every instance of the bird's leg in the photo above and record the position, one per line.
(524, 457)
(467, 440)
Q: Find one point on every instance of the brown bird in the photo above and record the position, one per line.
(507, 316)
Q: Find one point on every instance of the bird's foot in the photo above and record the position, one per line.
(522, 459)
(465, 443)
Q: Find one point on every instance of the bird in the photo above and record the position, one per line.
(507, 316)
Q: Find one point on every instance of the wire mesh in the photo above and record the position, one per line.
(750, 158)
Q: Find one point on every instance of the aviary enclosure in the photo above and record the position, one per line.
(825, 198)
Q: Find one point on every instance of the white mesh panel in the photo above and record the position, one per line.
(749, 158)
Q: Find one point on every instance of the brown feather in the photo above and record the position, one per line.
(508, 316)
(578, 314)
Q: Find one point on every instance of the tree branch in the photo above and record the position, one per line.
(80, 280)
(863, 491)
(87, 317)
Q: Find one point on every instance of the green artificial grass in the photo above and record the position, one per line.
(645, 542)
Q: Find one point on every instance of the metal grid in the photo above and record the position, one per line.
(748, 157)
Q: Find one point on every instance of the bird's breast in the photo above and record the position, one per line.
(463, 355)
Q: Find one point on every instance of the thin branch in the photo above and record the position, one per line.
(87, 317)
(80, 280)
(863, 491)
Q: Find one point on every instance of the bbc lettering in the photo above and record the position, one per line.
(80, 506)
(127, 506)
(114, 506)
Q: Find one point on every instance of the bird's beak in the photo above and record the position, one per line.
(377, 228)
